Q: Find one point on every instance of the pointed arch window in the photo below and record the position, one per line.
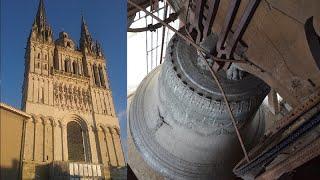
(75, 137)
(101, 75)
(80, 68)
(42, 95)
(66, 65)
(96, 75)
(75, 67)
(56, 63)
(46, 35)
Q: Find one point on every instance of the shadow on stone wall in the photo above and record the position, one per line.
(12, 172)
(59, 171)
(118, 173)
(42, 172)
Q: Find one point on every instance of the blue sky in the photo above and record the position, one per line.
(107, 23)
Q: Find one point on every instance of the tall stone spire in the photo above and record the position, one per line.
(41, 30)
(86, 43)
(41, 19)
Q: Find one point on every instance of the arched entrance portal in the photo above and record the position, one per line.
(76, 146)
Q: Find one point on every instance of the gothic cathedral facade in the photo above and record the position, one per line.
(66, 90)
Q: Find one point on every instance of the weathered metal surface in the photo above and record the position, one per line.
(131, 10)
(278, 51)
(313, 100)
(291, 131)
(313, 40)
(195, 27)
(186, 38)
(273, 102)
(179, 122)
(297, 159)
(152, 27)
(202, 14)
(154, 5)
(229, 19)
(226, 101)
(269, 50)
(163, 32)
(241, 28)
(209, 14)
(280, 46)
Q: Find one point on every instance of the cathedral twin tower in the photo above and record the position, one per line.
(66, 90)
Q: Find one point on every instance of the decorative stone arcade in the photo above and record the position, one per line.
(70, 145)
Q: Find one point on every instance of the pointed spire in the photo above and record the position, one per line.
(41, 19)
(84, 28)
(41, 29)
(98, 49)
(87, 44)
(83, 21)
(85, 37)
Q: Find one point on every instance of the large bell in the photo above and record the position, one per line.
(179, 121)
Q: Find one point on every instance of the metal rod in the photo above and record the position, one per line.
(140, 17)
(152, 27)
(151, 44)
(232, 12)
(294, 160)
(243, 24)
(157, 41)
(184, 37)
(147, 52)
(163, 30)
(229, 109)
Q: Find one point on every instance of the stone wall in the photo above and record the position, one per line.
(12, 135)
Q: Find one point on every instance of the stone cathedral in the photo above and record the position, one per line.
(74, 131)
